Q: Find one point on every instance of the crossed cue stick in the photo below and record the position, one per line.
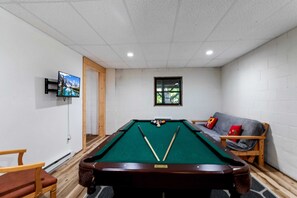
(152, 149)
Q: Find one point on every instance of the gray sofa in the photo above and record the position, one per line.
(225, 121)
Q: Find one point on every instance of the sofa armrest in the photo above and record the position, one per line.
(251, 137)
(197, 121)
(225, 137)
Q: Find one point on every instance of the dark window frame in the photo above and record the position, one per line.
(179, 79)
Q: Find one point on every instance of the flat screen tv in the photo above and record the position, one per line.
(68, 85)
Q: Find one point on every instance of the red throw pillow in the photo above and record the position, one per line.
(236, 131)
(211, 122)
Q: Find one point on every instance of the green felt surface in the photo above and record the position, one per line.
(189, 147)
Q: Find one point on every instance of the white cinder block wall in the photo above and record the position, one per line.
(262, 85)
(130, 95)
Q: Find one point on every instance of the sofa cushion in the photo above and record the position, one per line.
(235, 130)
(209, 132)
(211, 122)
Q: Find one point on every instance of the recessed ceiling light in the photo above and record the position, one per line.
(130, 54)
(209, 52)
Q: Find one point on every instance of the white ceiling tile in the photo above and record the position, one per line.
(196, 19)
(81, 50)
(65, 19)
(109, 18)
(157, 64)
(153, 19)
(104, 53)
(218, 62)
(177, 63)
(243, 16)
(218, 47)
(276, 24)
(183, 51)
(37, 23)
(157, 51)
(122, 51)
(6, 1)
(240, 48)
(36, 1)
(136, 64)
(202, 62)
(117, 65)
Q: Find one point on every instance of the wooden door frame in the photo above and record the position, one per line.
(89, 64)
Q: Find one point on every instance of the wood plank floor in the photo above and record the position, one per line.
(280, 184)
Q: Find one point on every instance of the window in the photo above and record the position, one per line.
(168, 91)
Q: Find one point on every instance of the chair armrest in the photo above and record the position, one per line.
(195, 121)
(8, 169)
(224, 137)
(15, 151)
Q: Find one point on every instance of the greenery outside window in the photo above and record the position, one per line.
(168, 91)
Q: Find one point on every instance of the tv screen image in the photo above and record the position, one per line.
(68, 85)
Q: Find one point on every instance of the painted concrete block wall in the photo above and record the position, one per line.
(29, 118)
(262, 85)
(134, 94)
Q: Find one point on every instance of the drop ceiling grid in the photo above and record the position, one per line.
(273, 25)
(61, 16)
(110, 18)
(30, 18)
(243, 17)
(167, 33)
(155, 51)
(194, 23)
(153, 20)
(122, 50)
(104, 53)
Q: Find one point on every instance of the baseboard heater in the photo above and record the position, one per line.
(58, 162)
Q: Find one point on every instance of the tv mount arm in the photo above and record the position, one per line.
(50, 82)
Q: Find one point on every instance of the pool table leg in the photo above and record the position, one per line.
(92, 188)
(234, 194)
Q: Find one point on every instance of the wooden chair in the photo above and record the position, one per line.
(250, 155)
(25, 180)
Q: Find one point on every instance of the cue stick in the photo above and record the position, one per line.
(148, 143)
(171, 142)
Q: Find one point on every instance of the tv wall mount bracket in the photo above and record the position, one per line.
(48, 87)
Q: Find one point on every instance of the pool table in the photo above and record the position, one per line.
(194, 163)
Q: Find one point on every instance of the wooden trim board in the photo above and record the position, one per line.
(89, 64)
